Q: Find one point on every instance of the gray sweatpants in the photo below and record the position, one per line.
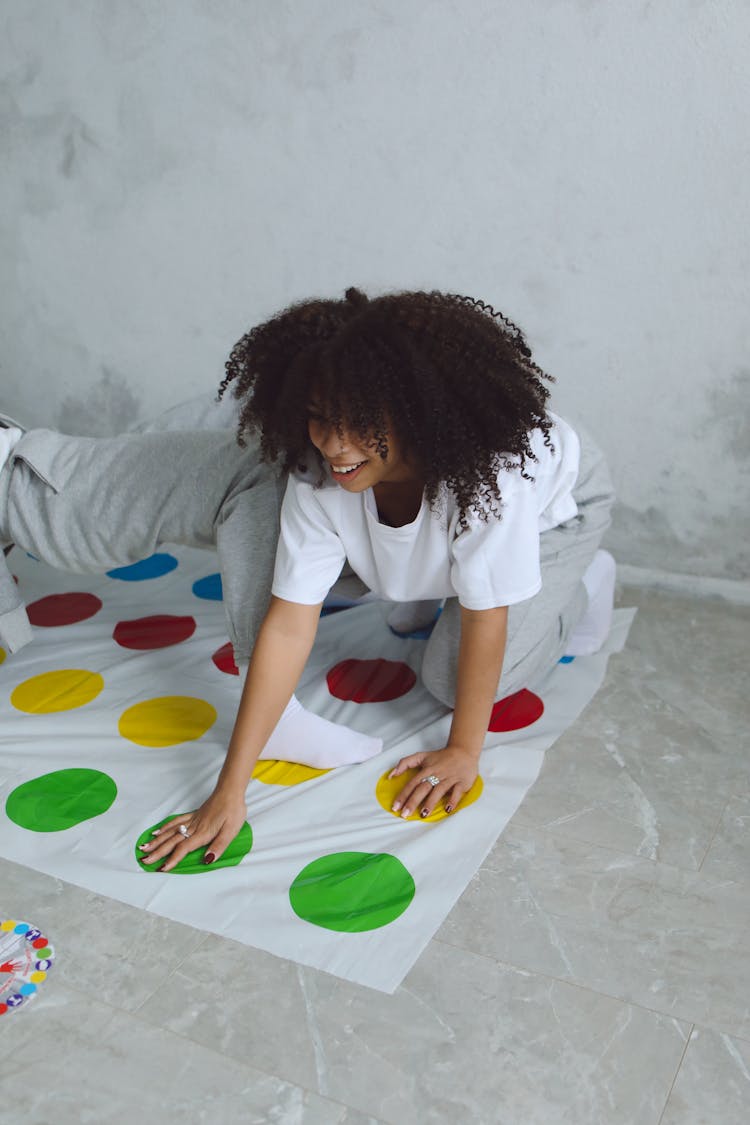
(538, 628)
(92, 504)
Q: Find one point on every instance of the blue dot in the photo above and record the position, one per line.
(22, 927)
(27, 989)
(566, 660)
(209, 588)
(153, 567)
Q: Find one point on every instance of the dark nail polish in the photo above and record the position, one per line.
(209, 857)
(425, 812)
(449, 808)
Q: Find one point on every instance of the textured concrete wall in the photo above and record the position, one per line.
(172, 172)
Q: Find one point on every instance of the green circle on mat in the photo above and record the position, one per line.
(192, 863)
(60, 800)
(352, 891)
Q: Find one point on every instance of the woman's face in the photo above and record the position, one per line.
(353, 461)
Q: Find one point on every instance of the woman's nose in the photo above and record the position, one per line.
(330, 441)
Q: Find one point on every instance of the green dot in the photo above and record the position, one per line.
(60, 800)
(42, 954)
(192, 863)
(352, 891)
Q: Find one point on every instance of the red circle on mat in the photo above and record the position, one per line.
(3, 1009)
(39, 943)
(516, 711)
(370, 681)
(223, 658)
(158, 631)
(63, 609)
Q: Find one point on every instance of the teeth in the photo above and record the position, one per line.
(347, 468)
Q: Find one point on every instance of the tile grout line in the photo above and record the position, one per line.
(586, 988)
(676, 1074)
(135, 1014)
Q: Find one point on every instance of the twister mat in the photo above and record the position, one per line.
(116, 717)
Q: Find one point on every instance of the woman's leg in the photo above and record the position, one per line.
(539, 628)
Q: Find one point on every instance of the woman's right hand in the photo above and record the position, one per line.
(214, 825)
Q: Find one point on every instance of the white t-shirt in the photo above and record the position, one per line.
(486, 564)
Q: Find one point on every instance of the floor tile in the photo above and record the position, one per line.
(637, 775)
(121, 953)
(465, 1039)
(670, 940)
(729, 854)
(693, 653)
(72, 1060)
(713, 1083)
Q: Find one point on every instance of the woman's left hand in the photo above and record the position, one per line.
(456, 770)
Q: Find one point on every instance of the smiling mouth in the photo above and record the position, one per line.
(345, 470)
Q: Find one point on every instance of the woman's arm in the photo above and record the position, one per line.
(279, 657)
(480, 663)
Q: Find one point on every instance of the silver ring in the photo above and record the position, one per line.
(432, 780)
(183, 830)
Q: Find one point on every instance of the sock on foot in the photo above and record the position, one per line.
(592, 630)
(303, 737)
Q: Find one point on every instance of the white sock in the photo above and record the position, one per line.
(406, 617)
(593, 629)
(303, 737)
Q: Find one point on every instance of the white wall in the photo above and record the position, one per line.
(174, 171)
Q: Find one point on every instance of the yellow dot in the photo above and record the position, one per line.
(167, 720)
(387, 789)
(38, 977)
(272, 772)
(8, 925)
(2, 655)
(57, 691)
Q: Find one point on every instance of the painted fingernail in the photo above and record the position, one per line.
(144, 847)
(406, 813)
(209, 857)
(156, 832)
(425, 812)
(449, 808)
(396, 806)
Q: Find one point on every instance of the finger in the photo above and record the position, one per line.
(452, 798)
(166, 839)
(181, 818)
(218, 845)
(404, 797)
(433, 798)
(421, 790)
(409, 763)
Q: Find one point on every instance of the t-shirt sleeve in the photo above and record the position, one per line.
(496, 562)
(310, 553)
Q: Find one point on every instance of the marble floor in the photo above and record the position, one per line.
(595, 972)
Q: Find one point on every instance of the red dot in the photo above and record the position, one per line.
(39, 943)
(223, 658)
(516, 711)
(159, 631)
(370, 681)
(3, 1009)
(63, 609)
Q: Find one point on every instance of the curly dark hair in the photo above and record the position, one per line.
(449, 377)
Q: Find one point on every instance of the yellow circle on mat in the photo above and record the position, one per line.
(167, 720)
(387, 789)
(2, 655)
(57, 691)
(9, 924)
(273, 772)
(38, 977)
